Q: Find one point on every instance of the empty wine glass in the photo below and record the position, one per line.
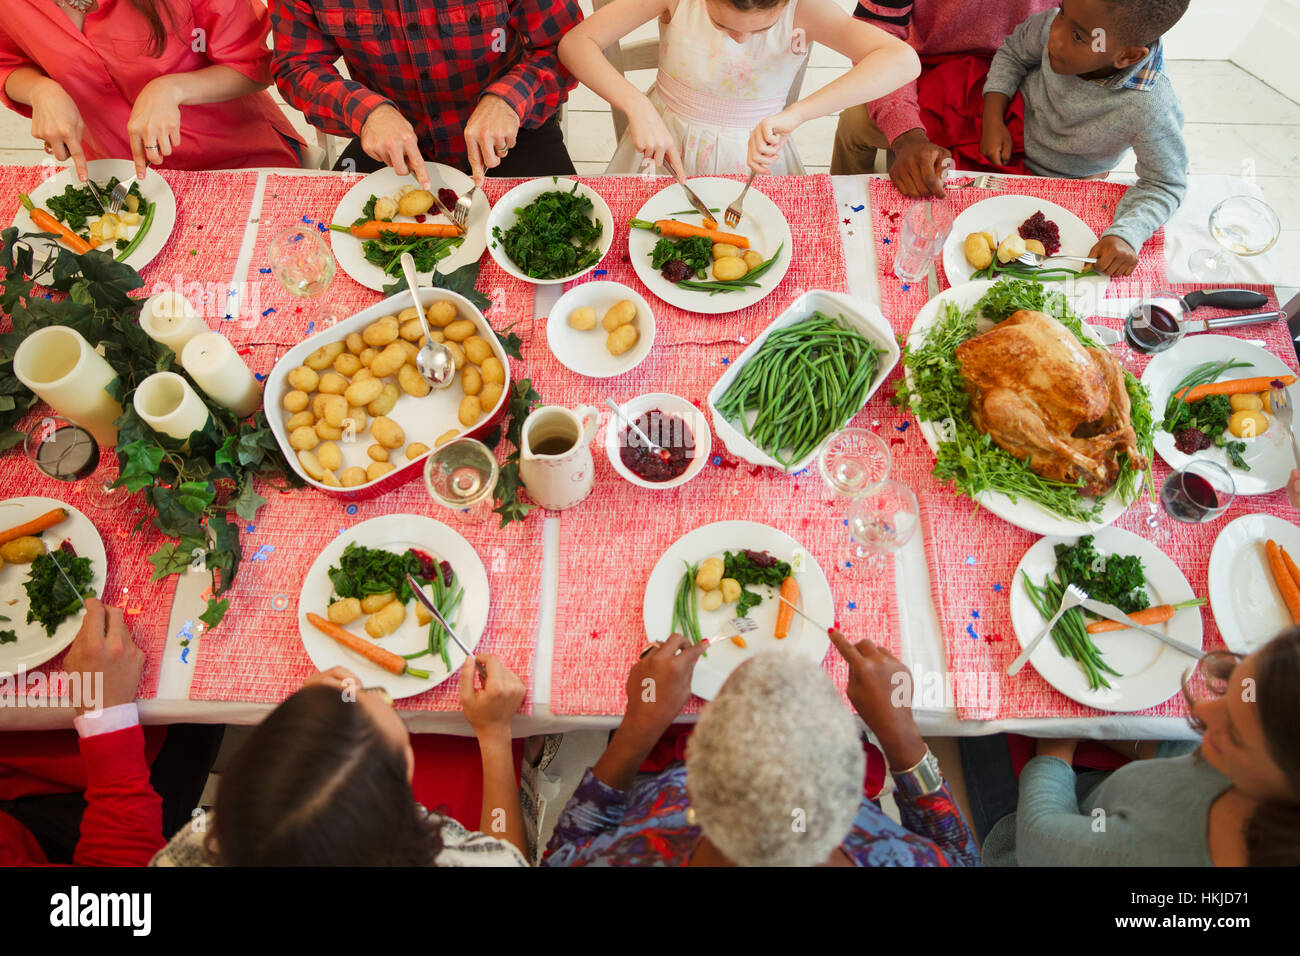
(1241, 225)
(925, 228)
(878, 525)
(852, 462)
(462, 477)
(303, 264)
(65, 451)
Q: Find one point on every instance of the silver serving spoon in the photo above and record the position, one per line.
(631, 426)
(434, 361)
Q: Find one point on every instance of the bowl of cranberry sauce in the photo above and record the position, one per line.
(675, 425)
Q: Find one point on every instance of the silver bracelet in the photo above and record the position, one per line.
(921, 780)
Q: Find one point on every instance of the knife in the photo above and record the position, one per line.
(64, 574)
(1292, 312)
(436, 182)
(1112, 613)
(698, 204)
(437, 616)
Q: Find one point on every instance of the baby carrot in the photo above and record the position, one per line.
(1151, 615)
(785, 615)
(373, 228)
(1282, 578)
(35, 526)
(1290, 566)
(47, 223)
(1236, 386)
(385, 659)
(682, 230)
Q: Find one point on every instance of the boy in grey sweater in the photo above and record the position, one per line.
(1091, 76)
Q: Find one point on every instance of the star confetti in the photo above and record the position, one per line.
(263, 552)
(266, 312)
(970, 559)
(975, 614)
(903, 427)
(848, 222)
(970, 629)
(185, 655)
(858, 208)
(997, 588)
(853, 605)
(264, 271)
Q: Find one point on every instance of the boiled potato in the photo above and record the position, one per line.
(729, 268)
(298, 419)
(991, 238)
(304, 438)
(296, 400)
(318, 405)
(1248, 424)
(356, 418)
(22, 550)
(415, 449)
(621, 339)
(725, 250)
(620, 313)
(1012, 247)
(329, 455)
(311, 464)
(364, 392)
(389, 361)
(344, 611)
(441, 314)
(477, 349)
(334, 409)
(1248, 402)
(460, 330)
(412, 330)
(377, 469)
(471, 381)
(445, 437)
(387, 432)
(415, 203)
(412, 382)
(380, 332)
(489, 395)
(331, 480)
(384, 622)
(408, 314)
(1033, 245)
(385, 208)
(493, 371)
(582, 319)
(303, 378)
(470, 410)
(328, 432)
(332, 383)
(386, 400)
(457, 354)
(367, 356)
(355, 343)
(324, 356)
(410, 348)
(752, 259)
(709, 577)
(978, 253)
(730, 588)
(361, 375)
(711, 601)
(377, 602)
(377, 452)
(347, 364)
(351, 477)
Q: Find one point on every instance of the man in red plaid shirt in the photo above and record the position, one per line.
(463, 82)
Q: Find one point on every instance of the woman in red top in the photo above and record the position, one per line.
(179, 83)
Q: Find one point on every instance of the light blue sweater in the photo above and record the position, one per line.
(1147, 813)
(1076, 128)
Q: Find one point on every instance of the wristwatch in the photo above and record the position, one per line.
(921, 780)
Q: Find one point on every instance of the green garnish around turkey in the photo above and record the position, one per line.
(50, 600)
(555, 235)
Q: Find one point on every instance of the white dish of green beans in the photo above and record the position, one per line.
(779, 412)
(1149, 671)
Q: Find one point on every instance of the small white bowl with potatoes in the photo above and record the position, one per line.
(353, 416)
(600, 329)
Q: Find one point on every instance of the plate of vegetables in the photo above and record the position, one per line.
(719, 573)
(550, 230)
(386, 214)
(40, 611)
(1247, 589)
(989, 235)
(357, 610)
(1097, 662)
(710, 268)
(1212, 392)
(67, 207)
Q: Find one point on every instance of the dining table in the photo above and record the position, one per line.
(567, 587)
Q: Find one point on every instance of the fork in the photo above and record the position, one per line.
(1280, 401)
(118, 195)
(460, 215)
(736, 209)
(986, 181)
(733, 629)
(1073, 597)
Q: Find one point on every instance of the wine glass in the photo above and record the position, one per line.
(1241, 225)
(925, 228)
(462, 477)
(878, 525)
(65, 451)
(1155, 323)
(1198, 492)
(303, 264)
(853, 463)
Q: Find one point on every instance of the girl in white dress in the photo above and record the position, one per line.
(725, 70)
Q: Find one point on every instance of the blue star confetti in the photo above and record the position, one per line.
(857, 208)
(263, 552)
(259, 376)
(185, 655)
(886, 241)
(853, 605)
(970, 560)
(251, 528)
(266, 312)
(801, 471)
(265, 271)
(311, 326)
(601, 272)
(903, 427)
(715, 460)
(970, 629)
(726, 361)
(975, 614)
(997, 588)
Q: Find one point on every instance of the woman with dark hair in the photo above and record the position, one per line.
(325, 780)
(1233, 801)
(180, 83)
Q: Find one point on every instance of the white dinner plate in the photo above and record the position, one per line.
(762, 224)
(1247, 605)
(33, 648)
(1151, 670)
(585, 352)
(713, 540)
(1004, 215)
(1268, 455)
(1022, 514)
(505, 214)
(386, 182)
(397, 533)
(154, 188)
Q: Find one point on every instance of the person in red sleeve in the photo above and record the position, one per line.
(122, 823)
(474, 84)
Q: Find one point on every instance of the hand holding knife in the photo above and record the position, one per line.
(429, 606)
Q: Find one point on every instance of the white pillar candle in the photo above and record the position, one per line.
(168, 405)
(214, 364)
(61, 367)
(169, 318)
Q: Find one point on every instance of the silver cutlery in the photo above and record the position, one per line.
(632, 427)
(734, 628)
(1112, 613)
(815, 624)
(460, 215)
(1279, 399)
(118, 195)
(1035, 260)
(434, 361)
(437, 616)
(698, 204)
(1073, 597)
(736, 209)
(985, 181)
(436, 183)
(94, 191)
(71, 587)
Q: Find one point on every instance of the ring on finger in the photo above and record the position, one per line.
(501, 150)
(49, 148)
(653, 645)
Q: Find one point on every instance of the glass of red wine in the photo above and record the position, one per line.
(1198, 492)
(65, 451)
(1155, 323)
